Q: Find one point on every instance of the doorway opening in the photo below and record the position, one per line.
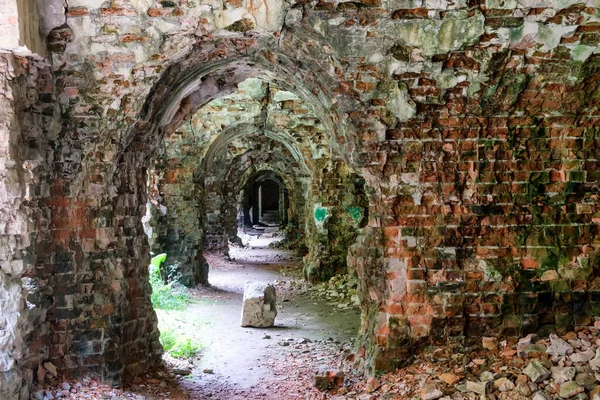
(246, 163)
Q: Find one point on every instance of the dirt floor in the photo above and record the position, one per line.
(243, 363)
(251, 362)
(311, 345)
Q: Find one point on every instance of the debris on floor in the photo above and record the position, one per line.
(566, 367)
(558, 367)
(340, 289)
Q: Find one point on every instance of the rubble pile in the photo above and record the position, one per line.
(340, 289)
(558, 367)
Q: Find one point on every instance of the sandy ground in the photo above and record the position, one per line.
(246, 362)
(243, 363)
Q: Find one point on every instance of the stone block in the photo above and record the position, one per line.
(259, 305)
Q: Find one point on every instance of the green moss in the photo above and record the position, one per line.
(243, 25)
(563, 319)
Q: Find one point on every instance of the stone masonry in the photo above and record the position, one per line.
(448, 149)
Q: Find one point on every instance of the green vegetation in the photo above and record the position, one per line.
(179, 346)
(166, 296)
(171, 297)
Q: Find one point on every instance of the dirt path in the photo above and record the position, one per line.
(248, 362)
(238, 363)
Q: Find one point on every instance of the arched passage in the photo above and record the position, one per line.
(476, 138)
(265, 200)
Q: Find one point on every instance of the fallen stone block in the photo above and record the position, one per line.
(586, 380)
(430, 391)
(539, 395)
(504, 384)
(570, 389)
(481, 388)
(558, 347)
(583, 357)
(259, 305)
(489, 343)
(536, 371)
(326, 379)
(563, 374)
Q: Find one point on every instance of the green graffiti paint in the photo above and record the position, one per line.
(320, 214)
(355, 213)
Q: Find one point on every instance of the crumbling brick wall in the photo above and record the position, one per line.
(474, 124)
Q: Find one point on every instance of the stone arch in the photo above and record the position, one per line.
(114, 186)
(229, 179)
(295, 189)
(193, 82)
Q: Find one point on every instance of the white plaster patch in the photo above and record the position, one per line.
(283, 95)
(400, 104)
(582, 52)
(89, 4)
(549, 34)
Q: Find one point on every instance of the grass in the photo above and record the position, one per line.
(179, 346)
(172, 299)
(166, 296)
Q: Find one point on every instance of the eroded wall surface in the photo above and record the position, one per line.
(474, 125)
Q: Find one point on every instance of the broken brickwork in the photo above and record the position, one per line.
(474, 126)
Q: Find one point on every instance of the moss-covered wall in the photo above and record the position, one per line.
(474, 125)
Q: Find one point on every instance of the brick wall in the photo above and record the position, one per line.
(474, 125)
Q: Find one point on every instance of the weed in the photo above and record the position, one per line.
(166, 296)
(187, 348)
(168, 339)
(179, 347)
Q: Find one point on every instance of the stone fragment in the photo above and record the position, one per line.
(259, 307)
(558, 347)
(523, 388)
(508, 353)
(504, 384)
(326, 379)
(486, 376)
(569, 389)
(550, 275)
(529, 339)
(595, 362)
(489, 343)
(595, 394)
(522, 378)
(586, 380)
(570, 335)
(462, 387)
(372, 385)
(575, 344)
(582, 357)
(51, 368)
(540, 395)
(527, 349)
(182, 371)
(478, 387)
(563, 374)
(449, 378)
(536, 371)
(430, 391)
